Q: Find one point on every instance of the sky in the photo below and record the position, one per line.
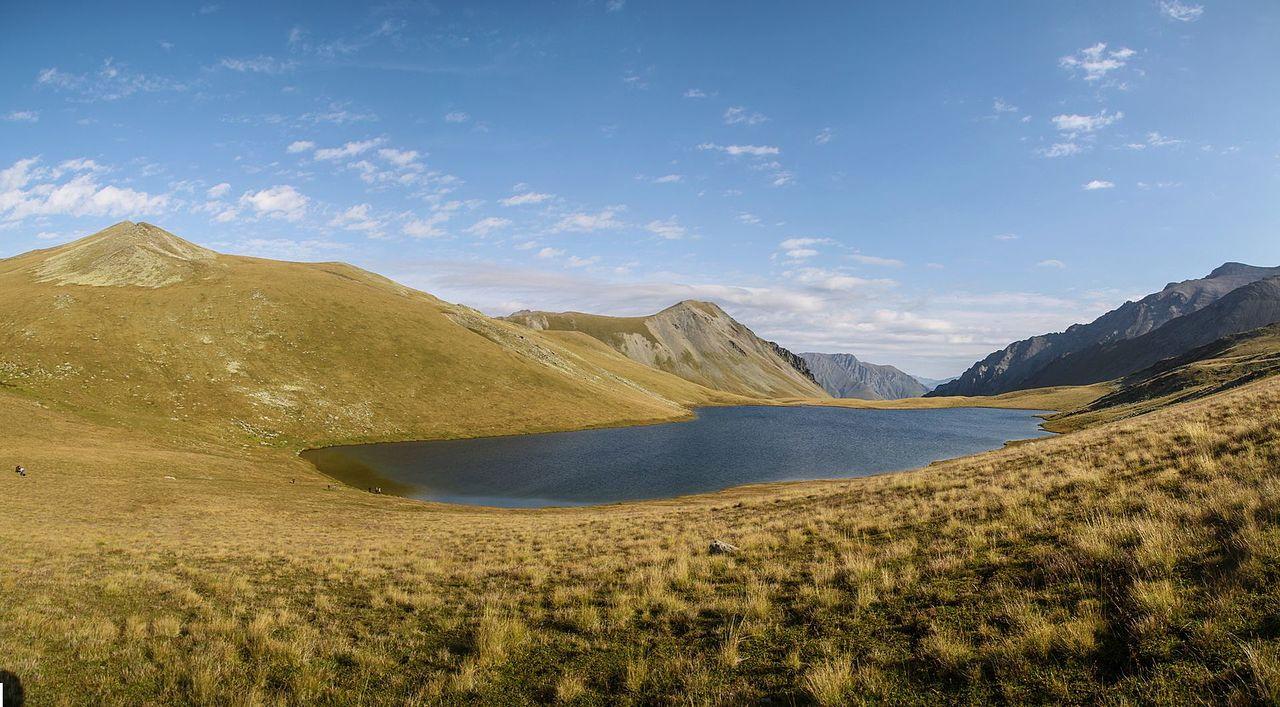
(916, 183)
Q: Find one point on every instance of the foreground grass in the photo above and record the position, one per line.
(1134, 562)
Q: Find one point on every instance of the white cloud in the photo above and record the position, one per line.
(112, 82)
(1060, 149)
(669, 179)
(738, 115)
(525, 198)
(357, 218)
(695, 93)
(1005, 237)
(1181, 12)
(407, 159)
(749, 219)
(350, 149)
(259, 65)
(1098, 184)
(1051, 263)
(802, 242)
(876, 260)
(736, 150)
(1000, 106)
(669, 228)
(548, 253)
(280, 201)
(27, 190)
(1096, 62)
(456, 116)
(576, 262)
(800, 253)
(1073, 124)
(22, 116)
(488, 225)
(824, 136)
(1155, 139)
(428, 227)
(218, 191)
(300, 146)
(582, 222)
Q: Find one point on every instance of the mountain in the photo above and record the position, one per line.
(697, 341)
(1014, 366)
(844, 376)
(931, 383)
(1250, 307)
(1226, 363)
(137, 326)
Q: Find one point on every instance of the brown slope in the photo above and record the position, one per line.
(136, 326)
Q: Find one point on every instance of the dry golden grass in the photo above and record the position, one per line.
(1134, 561)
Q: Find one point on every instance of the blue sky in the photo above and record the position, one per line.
(917, 183)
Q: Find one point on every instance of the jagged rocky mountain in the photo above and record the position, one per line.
(1017, 365)
(1245, 309)
(844, 376)
(697, 341)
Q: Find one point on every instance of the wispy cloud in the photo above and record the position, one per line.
(738, 115)
(457, 116)
(350, 149)
(694, 93)
(488, 225)
(1051, 263)
(824, 136)
(259, 65)
(737, 150)
(1096, 62)
(525, 198)
(1180, 11)
(22, 116)
(584, 222)
(668, 179)
(669, 229)
(1097, 184)
(1074, 124)
(111, 82)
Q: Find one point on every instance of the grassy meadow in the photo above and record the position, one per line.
(1129, 562)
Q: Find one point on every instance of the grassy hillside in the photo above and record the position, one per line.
(697, 341)
(1135, 561)
(1227, 363)
(135, 326)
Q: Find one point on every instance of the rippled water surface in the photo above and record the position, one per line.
(723, 447)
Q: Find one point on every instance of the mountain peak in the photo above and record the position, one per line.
(1234, 269)
(699, 305)
(126, 254)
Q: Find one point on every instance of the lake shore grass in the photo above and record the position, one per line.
(1134, 561)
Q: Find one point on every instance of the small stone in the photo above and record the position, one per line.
(720, 547)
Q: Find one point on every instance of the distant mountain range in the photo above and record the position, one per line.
(1087, 353)
(696, 341)
(844, 376)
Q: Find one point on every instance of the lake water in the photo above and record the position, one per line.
(722, 447)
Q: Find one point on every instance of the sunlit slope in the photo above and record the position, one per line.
(1226, 363)
(695, 340)
(135, 325)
